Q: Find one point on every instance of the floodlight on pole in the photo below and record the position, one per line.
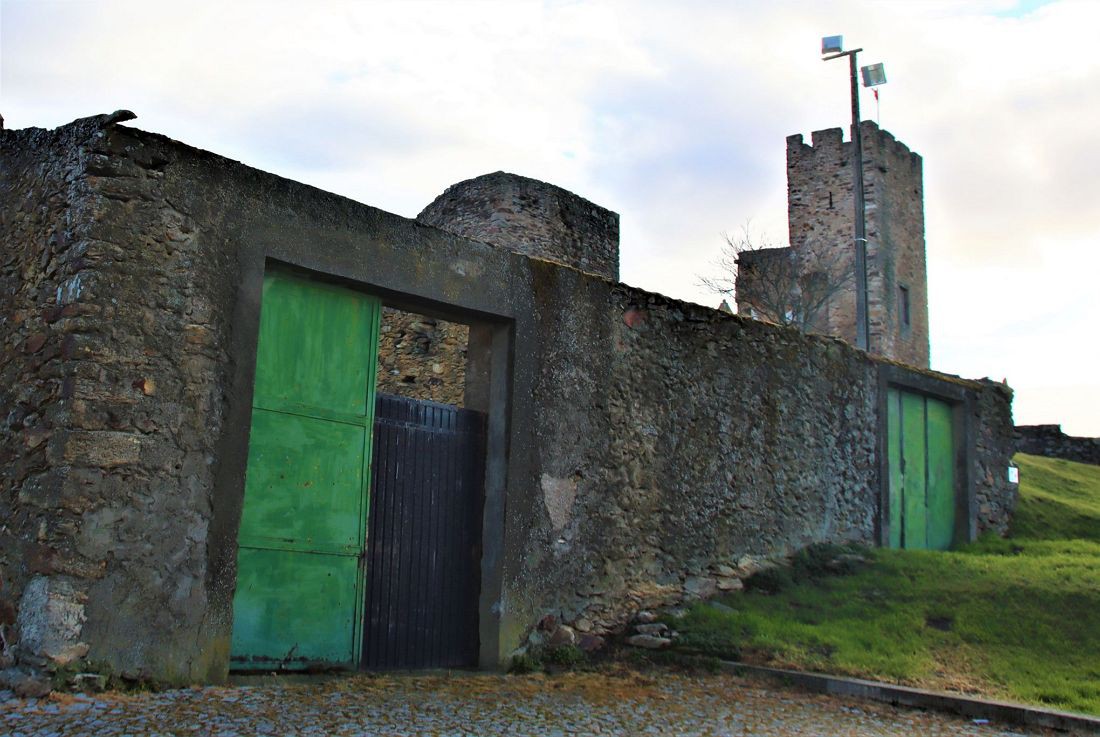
(832, 45)
(873, 75)
(832, 48)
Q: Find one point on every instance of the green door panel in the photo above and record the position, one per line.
(304, 484)
(293, 609)
(895, 481)
(303, 523)
(921, 493)
(941, 476)
(915, 523)
(313, 355)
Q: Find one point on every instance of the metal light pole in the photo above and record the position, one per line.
(832, 46)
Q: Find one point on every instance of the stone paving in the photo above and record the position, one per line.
(464, 704)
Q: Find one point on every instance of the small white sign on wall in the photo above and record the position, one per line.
(1013, 475)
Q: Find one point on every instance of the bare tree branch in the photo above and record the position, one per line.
(778, 283)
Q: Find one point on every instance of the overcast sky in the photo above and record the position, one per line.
(672, 114)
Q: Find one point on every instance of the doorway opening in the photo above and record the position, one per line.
(922, 488)
(360, 536)
(424, 541)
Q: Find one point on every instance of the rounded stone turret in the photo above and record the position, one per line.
(532, 217)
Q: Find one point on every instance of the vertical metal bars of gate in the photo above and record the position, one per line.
(424, 538)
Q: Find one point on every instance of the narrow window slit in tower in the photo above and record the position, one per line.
(903, 306)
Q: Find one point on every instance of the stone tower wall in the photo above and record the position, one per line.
(754, 290)
(422, 357)
(530, 217)
(819, 189)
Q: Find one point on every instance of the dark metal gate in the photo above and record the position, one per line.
(424, 540)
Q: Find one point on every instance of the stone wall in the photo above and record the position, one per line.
(701, 441)
(531, 217)
(1050, 441)
(820, 216)
(422, 357)
(132, 267)
(705, 445)
(641, 450)
(765, 279)
(995, 496)
(112, 390)
(45, 219)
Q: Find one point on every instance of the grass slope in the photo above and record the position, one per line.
(1015, 618)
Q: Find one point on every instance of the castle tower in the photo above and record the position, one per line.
(820, 217)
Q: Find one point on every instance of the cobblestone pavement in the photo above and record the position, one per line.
(464, 704)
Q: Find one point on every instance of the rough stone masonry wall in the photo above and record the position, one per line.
(422, 357)
(1050, 441)
(820, 212)
(759, 273)
(531, 217)
(894, 198)
(994, 496)
(45, 242)
(693, 445)
(112, 391)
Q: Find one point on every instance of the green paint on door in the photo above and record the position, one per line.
(303, 526)
(941, 476)
(293, 609)
(893, 438)
(921, 462)
(915, 518)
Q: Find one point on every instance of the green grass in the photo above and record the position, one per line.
(1060, 500)
(1015, 618)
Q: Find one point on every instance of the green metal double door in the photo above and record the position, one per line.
(921, 453)
(300, 557)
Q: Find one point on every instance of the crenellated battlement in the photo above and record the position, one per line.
(877, 142)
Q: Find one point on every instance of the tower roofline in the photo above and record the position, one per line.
(871, 132)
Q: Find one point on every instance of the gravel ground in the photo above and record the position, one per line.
(465, 704)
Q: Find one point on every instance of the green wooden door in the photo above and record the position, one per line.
(921, 483)
(303, 526)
